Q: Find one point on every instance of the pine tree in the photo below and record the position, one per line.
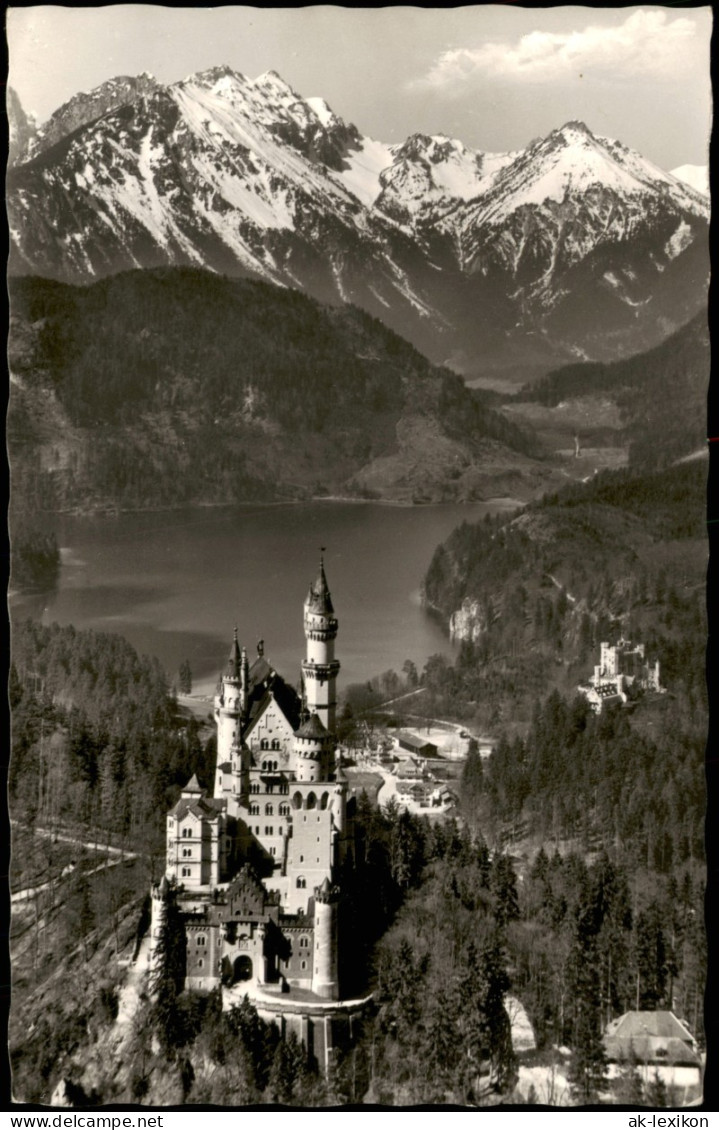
(503, 884)
(168, 974)
(185, 678)
(472, 780)
(485, 1033)
(630, 1089)
(588, 1065)
(657, 1092)
(587, 1072)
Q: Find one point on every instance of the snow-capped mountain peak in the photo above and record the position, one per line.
(572, 161)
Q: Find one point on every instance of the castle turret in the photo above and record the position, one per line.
(313, 749)
(320, 668)
(325, 980)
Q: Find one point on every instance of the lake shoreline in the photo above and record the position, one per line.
(506, 502)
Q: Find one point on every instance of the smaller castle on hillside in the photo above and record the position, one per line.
(621, 665)
(255, 869)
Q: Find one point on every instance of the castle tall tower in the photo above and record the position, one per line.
(320, 668)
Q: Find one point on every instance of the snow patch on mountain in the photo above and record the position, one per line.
(215, 123)
(322, 110)
(696, 176)
(363, 166)
(681, 238)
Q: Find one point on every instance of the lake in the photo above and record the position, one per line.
(176, 583)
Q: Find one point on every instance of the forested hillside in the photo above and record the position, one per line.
(96, 737)
(166, 387)
(532, 595)
(660, 394)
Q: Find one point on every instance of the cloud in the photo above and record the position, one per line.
(647, 43)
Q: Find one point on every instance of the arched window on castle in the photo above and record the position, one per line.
(269, 810)
(304, 943)
(301, 882)
(254, 810)
(255, 787)
(275, 745)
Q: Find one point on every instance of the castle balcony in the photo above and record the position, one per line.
(322, 1026)
(321, 671)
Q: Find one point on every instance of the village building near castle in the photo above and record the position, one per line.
(255, 868)
(621, 666)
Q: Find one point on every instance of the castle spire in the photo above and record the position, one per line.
(233, 663)
(318, 598)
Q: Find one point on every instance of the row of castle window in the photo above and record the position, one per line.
(283, 810)
(266, 744)
(283, 788)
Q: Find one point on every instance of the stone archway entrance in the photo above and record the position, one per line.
(242, 969)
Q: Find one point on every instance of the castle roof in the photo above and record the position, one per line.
(312, 728)
(318, 597)
(261, 693)
(198, 807)
(192, 786)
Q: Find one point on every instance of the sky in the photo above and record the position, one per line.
(496, 76)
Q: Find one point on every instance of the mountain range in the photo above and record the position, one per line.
(575, 247)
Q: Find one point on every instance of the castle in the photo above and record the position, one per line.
(620, 666)
(255, 868)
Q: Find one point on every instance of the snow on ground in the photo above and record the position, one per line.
(522, 1032)
(550, 1084)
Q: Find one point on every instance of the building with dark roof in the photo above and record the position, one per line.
(254, 867)
(656, 1043)
(416, 745)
